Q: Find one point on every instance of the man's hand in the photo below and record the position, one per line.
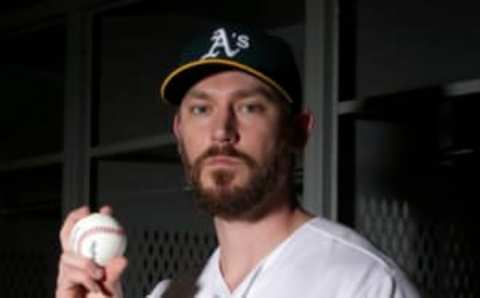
(79, 277)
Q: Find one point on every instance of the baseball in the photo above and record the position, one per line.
(98, 237)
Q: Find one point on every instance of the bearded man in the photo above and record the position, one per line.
(238, 126)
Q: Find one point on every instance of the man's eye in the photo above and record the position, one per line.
(251, 108)
(198, 110)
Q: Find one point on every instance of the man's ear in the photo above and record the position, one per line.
(177, 132)
(176, 126)
(303, 123)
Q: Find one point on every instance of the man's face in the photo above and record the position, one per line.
(231, 141)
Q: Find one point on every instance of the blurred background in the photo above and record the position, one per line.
(394, 86)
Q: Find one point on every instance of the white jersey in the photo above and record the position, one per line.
(322, 259)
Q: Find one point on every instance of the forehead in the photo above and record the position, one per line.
(230, 84)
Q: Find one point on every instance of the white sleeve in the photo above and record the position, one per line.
(159, 289)
(397, 286)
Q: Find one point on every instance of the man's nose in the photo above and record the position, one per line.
(225, 127)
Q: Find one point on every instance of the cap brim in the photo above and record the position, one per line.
(177, 83)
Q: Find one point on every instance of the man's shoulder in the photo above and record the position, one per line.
(333, 255)
(340, 244)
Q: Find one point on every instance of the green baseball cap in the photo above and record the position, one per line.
(238, 47)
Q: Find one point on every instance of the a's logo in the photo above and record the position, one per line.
(220, 41)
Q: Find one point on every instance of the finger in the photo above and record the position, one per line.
(79, 262)
(71, 277)
(72, 218)
(106, 210)
(113, 272)
(115, 268)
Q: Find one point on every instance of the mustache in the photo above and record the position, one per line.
(225, 151)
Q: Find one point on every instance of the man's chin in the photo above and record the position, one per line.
(221, 179)
(219, 191)
(231, 204)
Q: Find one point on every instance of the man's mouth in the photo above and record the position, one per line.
(222, 160)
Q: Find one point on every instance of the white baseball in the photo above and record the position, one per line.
(98, 237)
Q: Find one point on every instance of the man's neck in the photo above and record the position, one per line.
(243, 244)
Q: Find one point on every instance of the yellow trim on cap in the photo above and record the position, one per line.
(244, 67)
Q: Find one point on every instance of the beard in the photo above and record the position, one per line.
(249, 201)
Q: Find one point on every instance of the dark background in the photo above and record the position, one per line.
(82, 124)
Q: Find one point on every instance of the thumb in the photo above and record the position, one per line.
(113, 273)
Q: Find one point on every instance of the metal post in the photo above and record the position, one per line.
(77, 131)
(321, 72)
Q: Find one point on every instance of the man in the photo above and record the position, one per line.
(238, 126)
